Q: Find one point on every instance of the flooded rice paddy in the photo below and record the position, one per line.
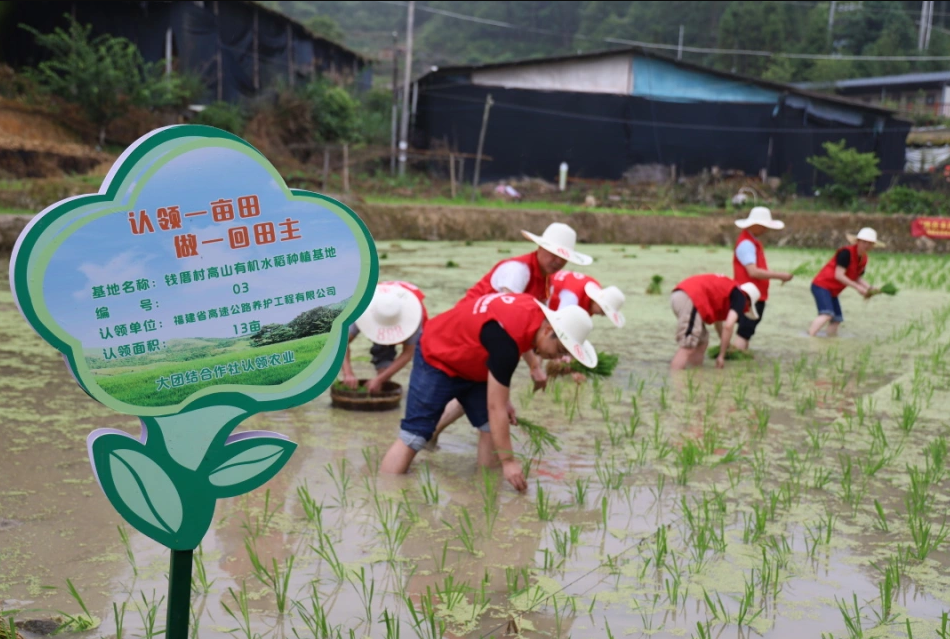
(798, 494)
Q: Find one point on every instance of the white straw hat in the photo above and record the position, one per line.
(761, 216)
(572, 326)
(868, 235)
(392, 317)
(560, 239)
(610, 299)
(754, 294)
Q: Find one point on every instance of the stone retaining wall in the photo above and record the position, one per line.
(429, 222)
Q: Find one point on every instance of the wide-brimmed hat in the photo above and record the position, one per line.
(610, 299)
(392, 317)
(868, 235)
(754, 294)
(573, 325)
(760, 216)
(560, 239)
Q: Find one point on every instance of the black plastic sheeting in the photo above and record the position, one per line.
(197, 34)
(600, 136)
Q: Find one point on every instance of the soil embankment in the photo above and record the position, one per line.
(457, 223)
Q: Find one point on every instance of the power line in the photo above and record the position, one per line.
(667, 47)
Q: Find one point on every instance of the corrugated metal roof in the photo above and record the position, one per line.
(777, 86)
(883, 80)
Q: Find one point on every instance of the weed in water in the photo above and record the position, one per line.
(148, 613)
(127, 544)
(77, 623)
(199, 582)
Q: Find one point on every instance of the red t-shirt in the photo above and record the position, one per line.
(452, 343)
(710, 295)
(739, 272)
(537, 284)
(855, 269)
(415, 290)
(573, 283)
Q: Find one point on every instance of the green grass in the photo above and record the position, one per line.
(689, 210)
(138, 387)
(4, 211)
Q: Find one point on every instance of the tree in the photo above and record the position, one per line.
(104, 76)
(336, 113)
(326, 27)
(851, 171)
(272, 334)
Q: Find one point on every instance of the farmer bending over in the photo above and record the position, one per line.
(708, 299)
(749, 265)
(845, 269)
(469, 354)
(396, 315)
(569, 288)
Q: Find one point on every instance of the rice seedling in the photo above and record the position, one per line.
(747, 613)
(489, 491)
(342, 480)
(80, 622)
(753, 524)
(918, 498)
(464, 531)
(312, 511)
(760, 468)
(936, 459)
(274, 577)
(424, 621)
(739, 395)
(408, 507)
(943, 632)
(517, 580)
(547, 509)
(391, 623)
(676, 593)
(199, 582)
(925, 538)
(127, 544)
(540, 437)
(606, 363)
(881, 521)
(851, 616)
(365, 590)
(664, 400)
(688, 457)
(327, 552)
(820, 535)
(888, 589)
(430, 489)
(389, 524)
(262, 522)
(732, 355)
(148, 613)
(762, 415)
(806, 402)
(897, 392)
(580, 489)
(910, 412)
(654, 287)
(565, 540)
(776, 386)
(117, 613)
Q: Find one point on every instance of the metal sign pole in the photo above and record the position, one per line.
(179, 594)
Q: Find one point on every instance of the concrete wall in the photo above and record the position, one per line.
(426, 222)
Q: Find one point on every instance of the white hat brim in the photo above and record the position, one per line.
(852, 239)
(563, 252)
(775, 225)
(596, 293)
(410, 318)
(584, 352)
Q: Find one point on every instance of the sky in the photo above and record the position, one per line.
(105, 251)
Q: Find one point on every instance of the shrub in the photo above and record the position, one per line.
(903, 199)
(335, 112)
(851, 171)
(223, 116)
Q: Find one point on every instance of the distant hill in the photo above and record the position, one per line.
(560, 28)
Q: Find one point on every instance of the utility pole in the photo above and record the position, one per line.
(831, 22)
(404, 126)
(679, 49)
(395, 118)
(926, 23)
(481, 146)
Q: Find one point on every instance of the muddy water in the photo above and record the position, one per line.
(696, 488)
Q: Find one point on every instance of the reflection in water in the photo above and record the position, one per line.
(754, 499)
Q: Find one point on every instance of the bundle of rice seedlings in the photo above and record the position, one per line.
(541, 438)
(731, 355)
(801, 270)
(889, 289)
(606, 363)
(654, 287)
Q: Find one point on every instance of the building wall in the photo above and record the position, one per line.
(661, 80)
(609, 74)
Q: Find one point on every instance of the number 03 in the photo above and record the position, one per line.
(240, 288)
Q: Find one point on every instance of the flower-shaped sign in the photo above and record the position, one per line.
(194, 290)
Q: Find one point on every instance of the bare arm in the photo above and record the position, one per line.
(725, 336)
(500, 419)
(537, 371)
(398, 364)
(349, 378)
(764, 274)
(860, 286)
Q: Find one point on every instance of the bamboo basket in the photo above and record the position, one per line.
(387, 399)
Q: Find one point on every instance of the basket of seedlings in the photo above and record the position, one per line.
(606, 363)
(359, 398)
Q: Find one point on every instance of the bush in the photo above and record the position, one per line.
(336, 114)
(851, 172)
(903, 199)
(223, 116)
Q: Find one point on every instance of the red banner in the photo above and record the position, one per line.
(934, 227)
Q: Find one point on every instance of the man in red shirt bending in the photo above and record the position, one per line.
(569, 288)
(469, 354)
(749, 265)
(708, 299)
(845, 269)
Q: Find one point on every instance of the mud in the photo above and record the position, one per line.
(638, 564)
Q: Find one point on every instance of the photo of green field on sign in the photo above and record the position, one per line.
(267, 356)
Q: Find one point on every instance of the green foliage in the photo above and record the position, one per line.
(316, 321)
(223, 116)
(731, 355)
(606, 363)
(326, 27)
(272, 334)
(334, 111)
(903, 199)
(851, 171)
(104, 76)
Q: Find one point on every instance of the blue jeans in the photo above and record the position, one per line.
(429, 391)
(827, 303)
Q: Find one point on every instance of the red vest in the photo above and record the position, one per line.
(710, 295)
(739, 272)
(537, 284)
(826, 276)
(574, 283)
(451, 341)
(415, 290)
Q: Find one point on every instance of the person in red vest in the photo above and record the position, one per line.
(749, 265)
(396, 315)
(470, 353)
(845, 269)
(708, 299)
(569, 288)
